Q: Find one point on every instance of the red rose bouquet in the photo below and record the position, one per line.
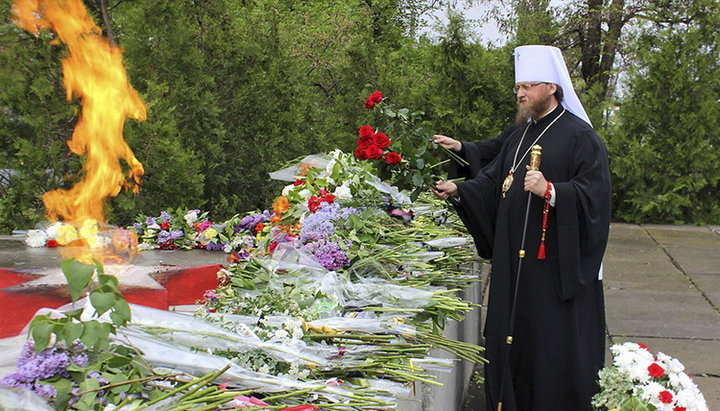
(402, 152)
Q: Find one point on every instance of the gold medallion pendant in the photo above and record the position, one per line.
(507, 183)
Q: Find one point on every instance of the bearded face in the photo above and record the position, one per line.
(532, 103)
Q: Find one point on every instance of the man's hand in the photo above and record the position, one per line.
(447, 142)
(535, 182)
(445, 189)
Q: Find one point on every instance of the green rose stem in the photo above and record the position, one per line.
(118, 384)
(198, 381)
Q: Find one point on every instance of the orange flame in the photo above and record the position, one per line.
(93, 71)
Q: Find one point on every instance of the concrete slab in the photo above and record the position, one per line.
(709, 285)
(652, 313)
(694, 249)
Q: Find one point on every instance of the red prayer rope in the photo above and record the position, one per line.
(546, 210)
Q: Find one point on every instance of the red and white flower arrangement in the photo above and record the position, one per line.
(641, 380)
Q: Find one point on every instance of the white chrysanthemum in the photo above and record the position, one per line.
(305, 194)
(343, 193)
(191, 217)
(650, 391)
(52, 230)
(287, 189)
(36, 238)
(147, 246)
(692, 400)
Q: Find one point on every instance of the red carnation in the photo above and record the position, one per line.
(381, 140)
(644, 346)
(298, 182)
(655, 370)
(679, 409)
(393, 158)
(374, 98)
(366, 131)
(51, 243)
(365, 142)
(374, 152)
(665, 397)
(164, 225)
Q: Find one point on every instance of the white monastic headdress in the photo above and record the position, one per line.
(546, 64)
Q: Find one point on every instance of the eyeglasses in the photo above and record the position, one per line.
(526, 86)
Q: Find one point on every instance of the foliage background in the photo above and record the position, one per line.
(237, 88)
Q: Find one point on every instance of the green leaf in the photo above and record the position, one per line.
(74, 313)
(41, 333)
(122, 308)
(102, 301)
(92, 333)
(72, 331)
(417, 180)
(78, 276)
(63, 388)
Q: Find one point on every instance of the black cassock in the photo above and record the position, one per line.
(559, 336)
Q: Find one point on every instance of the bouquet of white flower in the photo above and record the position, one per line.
(641, 381)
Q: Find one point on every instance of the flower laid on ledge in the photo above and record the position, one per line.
(639, 380)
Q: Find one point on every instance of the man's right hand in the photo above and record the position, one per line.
(445, 189)
(447, 142)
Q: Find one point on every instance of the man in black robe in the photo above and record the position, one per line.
(558, 338)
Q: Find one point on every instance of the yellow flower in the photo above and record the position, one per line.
(210, 233)
(66, 234)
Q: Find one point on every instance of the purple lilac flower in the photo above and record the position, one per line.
(331, 256)
(214, 246)
(137, 227)
(46, 391)
(165, 216)
(175, 234)
(37, 366)
(163, 237)
(150, 221)
(249, 222)
(321, 224)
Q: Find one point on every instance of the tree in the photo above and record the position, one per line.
(663, 149)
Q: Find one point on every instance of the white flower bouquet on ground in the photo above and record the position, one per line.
(641, 381)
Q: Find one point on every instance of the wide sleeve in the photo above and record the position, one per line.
(478, 155)
(478, 205)
(582, 208)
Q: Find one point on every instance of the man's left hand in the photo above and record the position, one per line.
(535, 182)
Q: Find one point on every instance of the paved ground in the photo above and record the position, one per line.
(662, 288)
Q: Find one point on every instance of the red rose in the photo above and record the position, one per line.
(374, 98)
(393, 158)
(298, 182)
(655, 370)
(381, 140)
(374, 152)
(665, 397)
(164, 225)
(679, 409)
(365, 142)
(644, 346)
(360, 154)
(366, 131)
(51, 243)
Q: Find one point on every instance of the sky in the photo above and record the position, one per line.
(487, 31)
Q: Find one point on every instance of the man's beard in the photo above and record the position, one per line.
(524, 112)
